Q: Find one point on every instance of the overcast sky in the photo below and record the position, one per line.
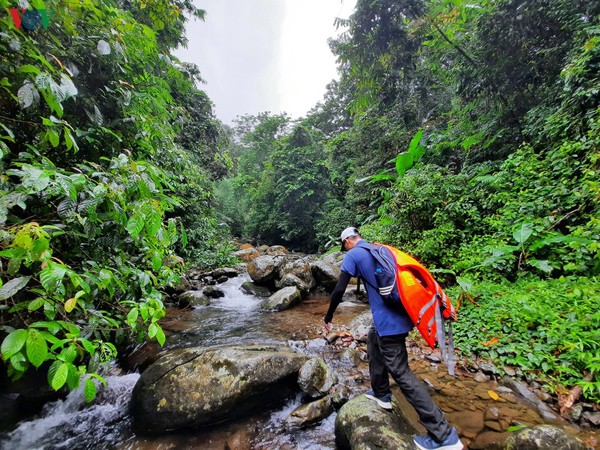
(264, 55)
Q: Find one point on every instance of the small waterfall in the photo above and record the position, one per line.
(73, 424)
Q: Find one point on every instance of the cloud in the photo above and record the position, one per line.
(264, 55)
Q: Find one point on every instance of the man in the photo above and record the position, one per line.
(386, 347)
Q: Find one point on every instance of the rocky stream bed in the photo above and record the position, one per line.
(307, 386)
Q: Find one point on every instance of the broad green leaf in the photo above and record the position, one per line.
(152, 330)
(74, 377)
(132, 317)
(60, 375)
(88, 346)
(36, 348)
(160, 336)
(28, 68)
(19, 362)
(68, 354)
(153, 223)
(89, 390)
(415, 141)
(523, 233)
(70, 327)
(135, 225)
(404, 161)
(52, 275)
(13, 286)
(13, 343)
(70, 141)
(52, 327)
(543, 265)
(53, 138)
(36, 304)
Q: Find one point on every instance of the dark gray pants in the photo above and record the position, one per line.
(388, 356)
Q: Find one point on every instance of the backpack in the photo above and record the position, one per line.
(402, 279)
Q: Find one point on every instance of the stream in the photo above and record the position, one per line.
(237, 319)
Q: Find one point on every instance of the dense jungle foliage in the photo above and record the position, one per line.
(107, 151)
(466, 133)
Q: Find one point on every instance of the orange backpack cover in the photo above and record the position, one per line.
(424, 300)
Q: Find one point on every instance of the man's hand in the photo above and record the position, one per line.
(327, 326)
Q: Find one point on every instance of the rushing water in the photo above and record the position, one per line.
(233, 319)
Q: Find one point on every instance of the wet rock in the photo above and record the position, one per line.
(520, 388)
(339, 394)
(593, 418)
(316, 378)
(355, 297)
(228, 272)
(241, 440)
(495, 425)
(480, 377)
(351, 356)
(192, 299)
(575, 412)
(543, 437)
(247, 255)
(325, 273)
(510, 371)
(362, 425)
(251, 288)
(332, 337)
(202, 386)
(264, 268)
(276, 250)
(488, 440)
(300, 268)
(470, 423)
(213, 292)
(544, 396)
(183, 286)
(488, 368)
(283, 299)
(222, 279)
(492, 413)
(433, 358)
(359, 326)
(310, 413)
(292, 280)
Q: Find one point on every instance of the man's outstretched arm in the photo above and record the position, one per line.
(336, 297)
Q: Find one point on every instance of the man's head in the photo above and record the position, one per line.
(350, 236)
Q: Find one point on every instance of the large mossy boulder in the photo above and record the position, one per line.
(543, 437)
(362, 425)
(283, 299)
(195, 387)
